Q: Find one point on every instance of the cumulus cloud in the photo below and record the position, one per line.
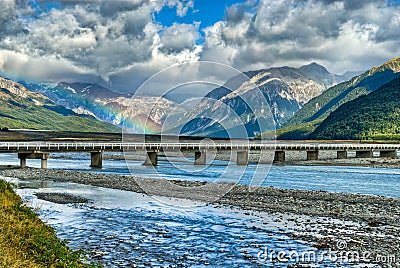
(235, 13)
(179, 37)
(120, 44)
(182, 7)
(340, 34)
(42, 69)
(103, 39)
(9, 13)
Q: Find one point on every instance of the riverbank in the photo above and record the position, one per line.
(374, 162)
(25, 241)
(254, 158)
(328, 220)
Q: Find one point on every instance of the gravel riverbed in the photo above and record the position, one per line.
(374, 162)
(367, 225)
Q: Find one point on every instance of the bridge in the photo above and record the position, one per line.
(42, 150)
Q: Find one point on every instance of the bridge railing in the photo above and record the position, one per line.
(115, 146)
(87, 146)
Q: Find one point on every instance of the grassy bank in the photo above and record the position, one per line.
(25, 241)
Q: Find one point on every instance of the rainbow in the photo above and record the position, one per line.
(140, 124)
(114, 113)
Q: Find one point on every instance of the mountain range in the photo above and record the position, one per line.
(146, 113)
(285, 90)
(23, 109)
(306, 120)
(372, 116)
(300, 102)
(264, 101)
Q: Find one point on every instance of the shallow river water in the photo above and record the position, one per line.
(124, 229)
(364, 180)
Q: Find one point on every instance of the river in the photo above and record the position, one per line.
(120, 228)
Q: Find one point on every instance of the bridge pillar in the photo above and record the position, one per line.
(364, 154)
(341, 154)
(22, 162)
(43, 164)
(96, 159)
(279, 156)
(151, 159)
(388, 153)
(242, 158)
(33, 155)
(312, 155)
(200, 158)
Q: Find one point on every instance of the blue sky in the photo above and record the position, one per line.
(121, 43)
(207, 12)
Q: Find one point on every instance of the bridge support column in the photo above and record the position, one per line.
(96, 159)
(22, 162)
(151, 159)
(279, 156)
(341, 154)
(33, 155)
(388, 153)
(364, 154)
(312, 155)
(242, 158)
(200, 157)
(43, 164)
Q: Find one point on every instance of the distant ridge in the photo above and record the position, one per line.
(23, 109)
(331, 99)
(286, 90)
(321, 75)
(144, 114)
(307, 119)
(372, 116)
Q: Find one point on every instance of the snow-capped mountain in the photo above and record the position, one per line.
(122, 110)
(270, 96)
(239, 102)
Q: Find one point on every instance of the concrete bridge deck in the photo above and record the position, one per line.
(115, 147)
(41, 150)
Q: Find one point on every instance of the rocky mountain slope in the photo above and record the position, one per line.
(316, 110)
(322, 76)
(23, 109)
(239, 102)
(227, 108)
(372, 116)
(143, 114)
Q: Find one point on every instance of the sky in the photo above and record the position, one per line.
(120, 44)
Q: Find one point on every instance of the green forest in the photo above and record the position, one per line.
(375, 116)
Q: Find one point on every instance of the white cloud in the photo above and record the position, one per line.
(100, 39)
(182, 6)
(179, 37)
(120, 43)
(42, 69)
(340, 34)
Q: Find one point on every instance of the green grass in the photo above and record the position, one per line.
(25, 241)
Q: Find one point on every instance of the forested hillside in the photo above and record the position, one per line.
(373, 116)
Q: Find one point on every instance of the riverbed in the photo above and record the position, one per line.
(130, 228)
(121, 228)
